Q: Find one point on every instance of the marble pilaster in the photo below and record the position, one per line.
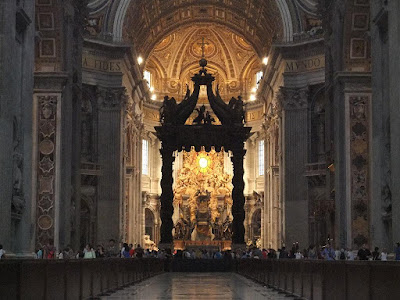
(294, 104)
(111, 102)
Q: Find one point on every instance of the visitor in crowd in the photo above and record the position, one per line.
(132, 250)
(49, 251)
(337, 254)
(363, 253)
(2, 253)
(217, 255)
(112, 250)
(100, 251)
(342, 255)
(350, 254)
(139, 251)
(283, 253)
(384, 255)
(298, 255)
(39, 253)
(125, 251)
(89, 252)
(397, 251)
(328, 253)
(375, 254)
(312, 252)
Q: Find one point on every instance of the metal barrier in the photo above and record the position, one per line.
(326, 280)
(72, 279)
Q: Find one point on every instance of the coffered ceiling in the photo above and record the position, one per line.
(150, 21)
(231, 59)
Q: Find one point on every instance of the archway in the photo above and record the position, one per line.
(256, 225)
(149, 223)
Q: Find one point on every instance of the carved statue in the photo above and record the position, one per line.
(227, 229)
(386, 200)
(182, 229)
(208, 119)
(217, 229)
(18, 201)
(200, 117)
(232, 113)
(17, 185)
(177, 114)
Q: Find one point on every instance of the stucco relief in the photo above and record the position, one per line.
(359, 136)
(47, 123)
(293, 98)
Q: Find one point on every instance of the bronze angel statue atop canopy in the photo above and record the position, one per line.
(177, 114)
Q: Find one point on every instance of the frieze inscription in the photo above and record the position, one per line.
(308, 64)
(101, 64)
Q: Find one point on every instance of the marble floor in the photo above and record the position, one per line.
(198, 286)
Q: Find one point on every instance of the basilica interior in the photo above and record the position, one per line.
(84, 87)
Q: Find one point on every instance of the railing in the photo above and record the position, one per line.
(72, 279)
(311, 279)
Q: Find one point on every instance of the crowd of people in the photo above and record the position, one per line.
(326, 252)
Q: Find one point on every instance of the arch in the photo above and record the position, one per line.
(116, 27)
(256, 224)
(150, 223)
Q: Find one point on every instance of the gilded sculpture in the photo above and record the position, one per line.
(204, 195)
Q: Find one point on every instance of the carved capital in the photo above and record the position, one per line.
(111, 98)
(292, 99)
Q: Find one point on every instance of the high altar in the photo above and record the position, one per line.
(203, 201)
(206, 206)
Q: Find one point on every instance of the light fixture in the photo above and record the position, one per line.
(253, 90)
(265, 60)
(203, 162)
(154, 97)
(151, 89)
(140, 60)
(252, 97)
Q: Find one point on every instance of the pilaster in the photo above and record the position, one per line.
(294, 103)
(111, 107)
(351, 134)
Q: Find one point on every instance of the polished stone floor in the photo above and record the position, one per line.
(198, 286)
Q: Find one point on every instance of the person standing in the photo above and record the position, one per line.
(88, 252)
(2, 253)
(328, 253)
(363, 253)
(39, 253)
(384, 255)
(376, 254)
(350, 254)
(312, 252)
(283, 253)
(112, 250)
(49, 251)
(139, 251)
(397, 251)
(342, 255)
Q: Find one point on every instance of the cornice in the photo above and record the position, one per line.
(50, 81)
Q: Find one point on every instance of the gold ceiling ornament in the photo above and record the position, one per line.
(147, 22)
(175, 59)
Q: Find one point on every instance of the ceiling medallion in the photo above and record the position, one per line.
(209, 48)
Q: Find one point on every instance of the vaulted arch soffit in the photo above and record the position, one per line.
(282, 18)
